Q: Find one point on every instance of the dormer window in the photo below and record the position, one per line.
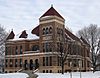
(23, 35)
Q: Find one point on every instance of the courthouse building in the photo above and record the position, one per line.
(42, 47)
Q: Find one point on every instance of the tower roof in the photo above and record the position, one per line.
(11, 35)
(50, 12)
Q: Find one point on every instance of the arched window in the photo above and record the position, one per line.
(43, 31)
(50, 71)
(46, 71)
(50, 30)
(36, 64)
(47, 30)
(31, 64)
(43, 71)
(25, 65)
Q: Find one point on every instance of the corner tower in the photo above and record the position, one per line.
(51, 29)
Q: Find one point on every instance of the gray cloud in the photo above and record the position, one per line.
(24, 14)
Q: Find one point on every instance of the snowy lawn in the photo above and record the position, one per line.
(53, 75)
(13, 75)
(67, 75)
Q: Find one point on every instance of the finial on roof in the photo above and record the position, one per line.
(11, 29)
(51, 5)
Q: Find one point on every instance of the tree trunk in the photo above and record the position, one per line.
(62, 66)
(94, 67)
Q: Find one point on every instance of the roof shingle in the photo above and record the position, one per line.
(51, 12)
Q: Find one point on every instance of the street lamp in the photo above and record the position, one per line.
(80, 65)
(71, 69)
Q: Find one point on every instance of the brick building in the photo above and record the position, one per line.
(98, 62)
(40, 47)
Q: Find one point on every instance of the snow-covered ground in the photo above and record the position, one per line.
(67, 75)
(13, 75)
(53, 75)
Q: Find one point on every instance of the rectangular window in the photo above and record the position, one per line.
(43, 61)
(58, 61)
(20, 49)
(82, 63)
(6, 62)
(46, 61)
(43, 45)
(16, 50)
(47, 47)
(20, 62)
(88, 64)
(16, 63)
(11, 64)
(50, 60)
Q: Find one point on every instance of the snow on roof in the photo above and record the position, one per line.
(14, 75)
(30, 36)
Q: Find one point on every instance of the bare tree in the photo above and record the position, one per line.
(92, 35)
(67, 49)
(3, 36)
(63, 54)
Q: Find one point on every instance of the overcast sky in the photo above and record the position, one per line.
(22, 15)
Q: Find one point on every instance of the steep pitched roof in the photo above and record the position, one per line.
(84, 41)
(50, 12)
(11, 35)
(35, 31)
(23, 35)
(71, 35)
